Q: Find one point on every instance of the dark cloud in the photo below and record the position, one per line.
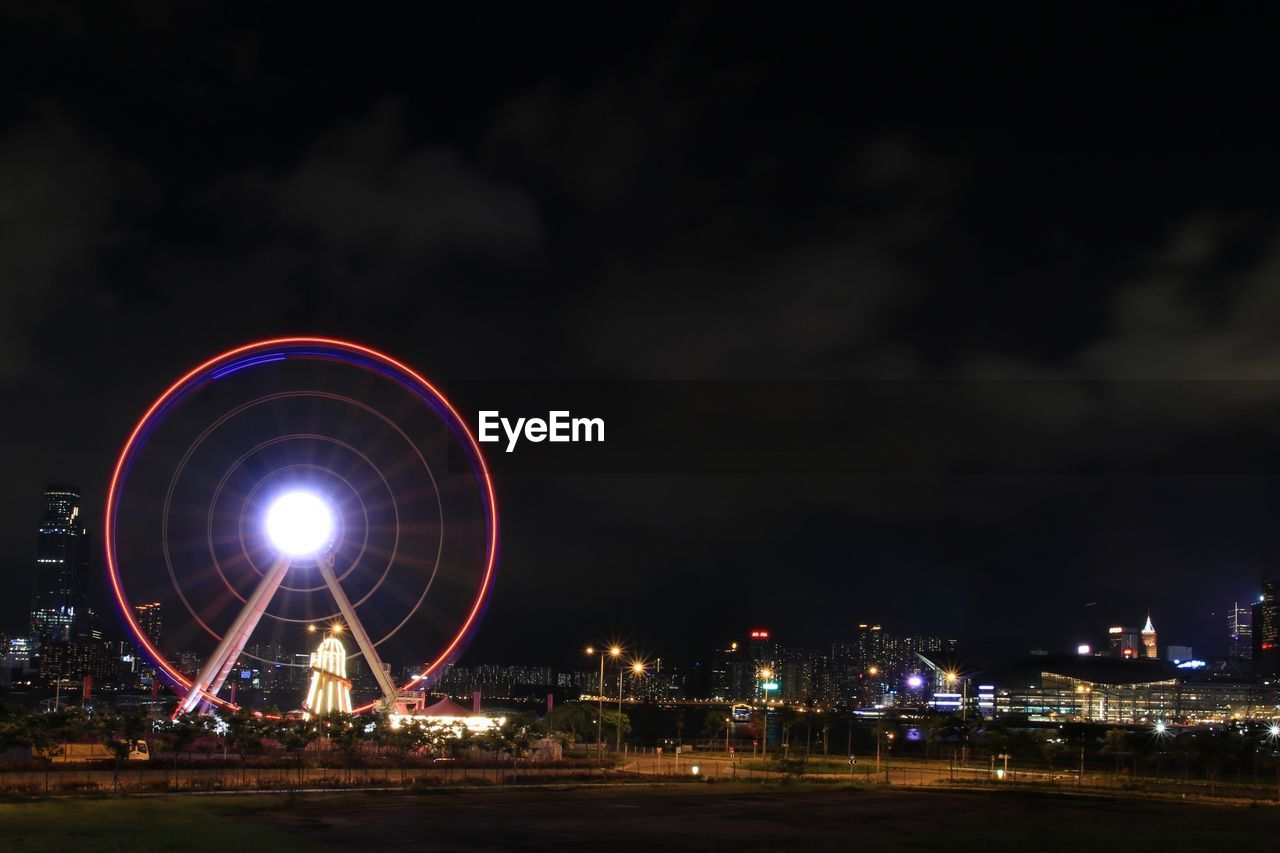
(1034, 287)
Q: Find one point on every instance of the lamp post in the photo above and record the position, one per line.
(637, 669)
(1085, 700)
(612, 652)
(1273, 732)
(765, 685)
(952, 678)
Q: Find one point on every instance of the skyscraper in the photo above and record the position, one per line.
(1149, 648)
(1239, 633)
(148, 617)
(764, 658)
(1266, 631)
(60, 610)
(1123, 642)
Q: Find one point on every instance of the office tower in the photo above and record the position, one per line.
(60, 610)
(1266, 632)
(148, 617)
(1123, 642)
(1239, 633)
(1149, 647)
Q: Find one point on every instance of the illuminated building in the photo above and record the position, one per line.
(330, 689)
(149, 619)
(1239, 633)
(796, 669)
(499, 681)
(69, 661)
(60, 610)
(1106, 689)
(763, 651)
(1124, 642)
(1110, 690)
(451, 717)
(1266, 632)
(723, 684)
(1149, 648)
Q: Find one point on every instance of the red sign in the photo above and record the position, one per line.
(731, 750)
(759, 635)
(87, 689)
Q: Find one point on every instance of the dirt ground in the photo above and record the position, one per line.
(735, 817)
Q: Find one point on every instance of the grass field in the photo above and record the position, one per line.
(143, 823)
(734, 817)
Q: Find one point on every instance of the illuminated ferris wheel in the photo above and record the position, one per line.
(296, 482)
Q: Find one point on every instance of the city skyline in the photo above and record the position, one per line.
(868, 667)
(1095, 636)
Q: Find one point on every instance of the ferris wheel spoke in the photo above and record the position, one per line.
(388, 687)
(214, 672)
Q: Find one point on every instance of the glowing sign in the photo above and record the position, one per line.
(759, 635)
(769, 685)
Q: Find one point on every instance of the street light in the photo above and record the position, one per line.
(1084, 692)
(952, 678)
(637, 669)
(766, 684)
(613, 652)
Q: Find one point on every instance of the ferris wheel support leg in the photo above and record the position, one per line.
(358, 632)
(214, 672)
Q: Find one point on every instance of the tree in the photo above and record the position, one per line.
(118, 731)
(400, 741)
(612, 720)
(509, 739)
(347, 732)
(43, 734)
(1216, 750)
(787, 717)
(244, 733)
(936, 729)
(1117, 744)
(570, 720)
(295, 737)
(1050, 748)
(180, 733)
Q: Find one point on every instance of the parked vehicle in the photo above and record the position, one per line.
(72, 753)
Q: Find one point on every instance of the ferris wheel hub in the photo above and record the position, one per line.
(299, 524)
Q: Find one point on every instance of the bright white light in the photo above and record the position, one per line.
(1274, 730)
(299, 523)
(1160, 727)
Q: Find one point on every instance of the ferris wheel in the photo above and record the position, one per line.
(298, 482)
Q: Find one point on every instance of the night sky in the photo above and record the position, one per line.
(964, 326)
